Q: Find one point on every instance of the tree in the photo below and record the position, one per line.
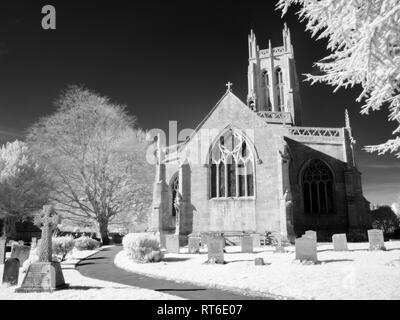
(385, 219)
(364, 40)
(24, 185)
(96, 156)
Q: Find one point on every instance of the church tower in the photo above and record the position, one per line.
(273, 87)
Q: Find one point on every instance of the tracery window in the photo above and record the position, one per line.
(231, 167)
(318, 186)
(279, 89)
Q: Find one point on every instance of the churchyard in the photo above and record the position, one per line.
(326, 270)
(80, 287)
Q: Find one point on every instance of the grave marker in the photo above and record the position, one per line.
(376, 240)
(172, 243)
(34, 242)
(11, 272)
(259, 262)
(194, 245)
(20, 252)
(246, 244)
(306, 249)
(256, 240)
(45, 275)
(311, 234)
(339, 242)
(215, 246)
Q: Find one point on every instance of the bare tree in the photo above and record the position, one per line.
(96, 157)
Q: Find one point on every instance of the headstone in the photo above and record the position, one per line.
(306, 249)
(339, 242)
(203, 241)
(11, 272)
(376, 240)
(172, 243)
(34, 242)
(3, 243)
(20, 252)
(246, 244)
(256, 240)
(311, 234)
(21, 242)
(279, 247)
(45, 275)
(194, 245)
(215, 246)
(259, 262)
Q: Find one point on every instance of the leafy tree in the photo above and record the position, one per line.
(96, 156)
(24, 185)
(385, 219)
(364, 40)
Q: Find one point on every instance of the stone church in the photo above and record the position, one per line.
(253, 168)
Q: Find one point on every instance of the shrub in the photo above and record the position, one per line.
(86, 243)
(63, 245)
(142, 247)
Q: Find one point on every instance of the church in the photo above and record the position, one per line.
(251, 167)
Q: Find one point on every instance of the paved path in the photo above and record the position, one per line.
(101, 266)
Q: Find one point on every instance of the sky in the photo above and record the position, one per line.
(168, 61)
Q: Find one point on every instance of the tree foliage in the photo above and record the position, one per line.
(364, 41)
(24, 185)
(385, 219)
(95, 155)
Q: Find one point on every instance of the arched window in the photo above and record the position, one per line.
(279, 89)
(174, 190)
(264, 79)
(231, 167)
(318, 186)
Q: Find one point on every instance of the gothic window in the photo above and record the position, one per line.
(264, 79)
(231, 167)
(175, 190)
(318, 186)
(279, 89)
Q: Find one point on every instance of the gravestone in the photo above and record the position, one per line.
(246, 244)
(339, 242)
(215, 246)
(279, 247)
(306, 249)
(194, 245)
(21, 242)
(259, 262)
(34, 242)
(203, 240)
(172, 243)
(20, 252)
(11, 272)
(3, 243)
(311, 234)
(45, 275)
(256, 240)
(376, 240)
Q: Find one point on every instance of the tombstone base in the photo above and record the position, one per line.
(43, 277)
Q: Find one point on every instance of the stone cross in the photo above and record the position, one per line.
(45, 248)
(229, 85)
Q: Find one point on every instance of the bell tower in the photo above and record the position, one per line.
(273, 87)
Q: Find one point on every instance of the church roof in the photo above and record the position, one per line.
(228, 94)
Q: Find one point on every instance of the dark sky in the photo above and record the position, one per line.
(167, 60)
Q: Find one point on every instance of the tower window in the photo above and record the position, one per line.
(279, 89)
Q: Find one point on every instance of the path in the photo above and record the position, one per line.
(101, 266)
